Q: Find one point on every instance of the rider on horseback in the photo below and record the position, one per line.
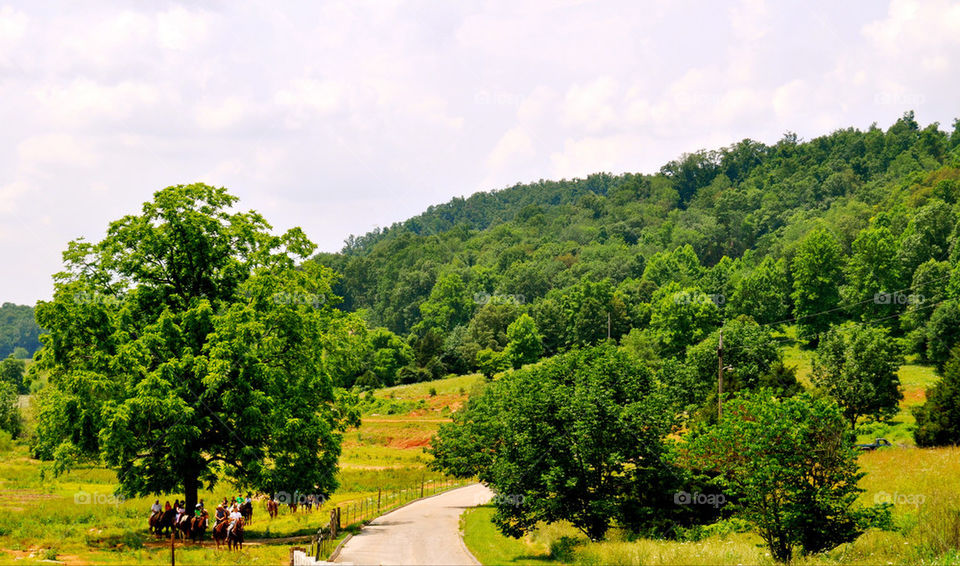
(234, 517)
(155, 508)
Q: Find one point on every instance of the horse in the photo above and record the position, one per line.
(220, 531)
(247, 511)
(273, 509)
(161, 521)
(184, 527)
(199, 527)
(235, 538)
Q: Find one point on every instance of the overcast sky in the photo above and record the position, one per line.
(342, 117)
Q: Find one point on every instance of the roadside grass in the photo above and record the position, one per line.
(490, 547)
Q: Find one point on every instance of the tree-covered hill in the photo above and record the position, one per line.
(777, 232)
(18, 329)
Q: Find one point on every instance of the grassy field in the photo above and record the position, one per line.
(921, 483)
(74, 518)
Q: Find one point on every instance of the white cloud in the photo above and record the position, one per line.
(84, 100)
(341, 116)
(223, 113)
(180, 29)
(38, 153)
(515, 145)
(13, 25)
(591, 106)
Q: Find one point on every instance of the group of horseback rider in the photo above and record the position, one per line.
(228, 513)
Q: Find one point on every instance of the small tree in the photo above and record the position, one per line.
(938, 419)
(525, 344)
(790, 466)
(490, 362)
(858, 366)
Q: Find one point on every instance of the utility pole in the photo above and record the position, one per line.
(720, 377)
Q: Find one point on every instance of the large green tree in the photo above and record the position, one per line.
(817, 274)
(938, 419)
(187, 347)
(569, 439)
(858, 365)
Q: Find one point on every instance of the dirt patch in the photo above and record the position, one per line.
(410, 443)
(913, 397)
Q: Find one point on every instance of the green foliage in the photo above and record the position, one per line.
(943, 332)
(11, 420)
(206, 354)
(938, 419)
(762, 293)
(858, 365)
(790, 467)
(817, 274)
(525, 344)
(491, 362)
(681, 318)
(18, 330)
(12, 371)
(579, 437)
(752, 356)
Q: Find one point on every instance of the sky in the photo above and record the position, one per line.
(341, 117)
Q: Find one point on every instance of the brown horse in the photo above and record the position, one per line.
(235, 537)
(199, 527)
(220, 531)
(247, 511)
(160, 522)
(273, 508)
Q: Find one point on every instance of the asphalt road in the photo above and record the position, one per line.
(425, 532)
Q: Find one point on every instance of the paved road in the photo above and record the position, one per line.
(425, 532)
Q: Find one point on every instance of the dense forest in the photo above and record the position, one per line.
(855, 225)
(18, 329)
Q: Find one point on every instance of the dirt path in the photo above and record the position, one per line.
(425, 532)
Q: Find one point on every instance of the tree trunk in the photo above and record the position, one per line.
(191, 484)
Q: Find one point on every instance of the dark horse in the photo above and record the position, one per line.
(162, 521)
(273, 508)
(220, 531)
(247, 511)
(235, 537)
(199, 527)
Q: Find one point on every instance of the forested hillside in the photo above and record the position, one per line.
(18, 329)
(854, 225)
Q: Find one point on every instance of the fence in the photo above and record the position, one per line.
(355, 511)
